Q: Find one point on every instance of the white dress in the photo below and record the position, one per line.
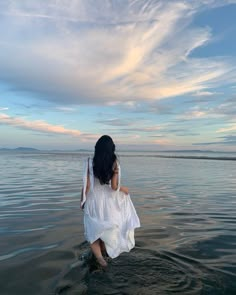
(109, 215)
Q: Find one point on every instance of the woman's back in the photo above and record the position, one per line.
(109, 214)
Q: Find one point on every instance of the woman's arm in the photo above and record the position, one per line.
(124, 189)
(114, 181)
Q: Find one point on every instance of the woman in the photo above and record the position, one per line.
(109, 215)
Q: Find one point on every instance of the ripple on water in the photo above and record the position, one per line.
(27, 249)
(141, 271)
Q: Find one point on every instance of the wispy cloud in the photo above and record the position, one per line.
(115, 122)
(149, 68)
(163, 141)
(229, 140)
(227, 129)
(65, 109)
(152, 107)
(193, 114)
(40, 126)
(204, 93)
(140, 50)
(225, 110)
(139, 129)
(181, 131)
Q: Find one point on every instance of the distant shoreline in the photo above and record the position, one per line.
(185, 157)
(30, 149)
(153, 154)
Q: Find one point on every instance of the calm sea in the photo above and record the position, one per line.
(186, 245)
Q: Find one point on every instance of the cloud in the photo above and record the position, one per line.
(227, 141)
(163, 141)
(154, 107)
(203, 93)
(226, 110)
(98, 52)
(156, 136)
(65, 109)
(182, 132)
(129, 122)
(227, 129)
(141, 129)
(115, 122)
(3, 109)
(40, 126)
(195, 114)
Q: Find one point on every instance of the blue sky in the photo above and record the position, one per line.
(152, 74)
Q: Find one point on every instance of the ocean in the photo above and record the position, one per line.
(186, 203)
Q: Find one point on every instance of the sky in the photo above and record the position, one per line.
(154, 75)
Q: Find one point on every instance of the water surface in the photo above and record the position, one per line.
(186, 245)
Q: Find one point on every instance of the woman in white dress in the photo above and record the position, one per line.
(109, 215)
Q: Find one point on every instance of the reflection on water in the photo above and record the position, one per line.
(186, 244)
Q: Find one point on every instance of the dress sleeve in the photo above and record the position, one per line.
(91, 176)
(85, 180)
(88, 170)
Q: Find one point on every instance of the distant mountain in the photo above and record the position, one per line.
(20, 149)
(83, 150)
(29, 149)
(26, 149)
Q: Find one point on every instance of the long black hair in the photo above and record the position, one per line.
(104, 158)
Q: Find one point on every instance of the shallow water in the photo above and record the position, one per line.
(186, 245)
